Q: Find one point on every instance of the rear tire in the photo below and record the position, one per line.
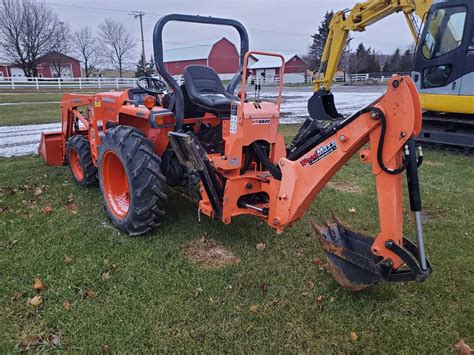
(78, 152)
(132, 185)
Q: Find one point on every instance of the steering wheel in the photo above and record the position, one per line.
(153, 86)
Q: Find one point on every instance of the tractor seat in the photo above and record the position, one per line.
(205, 89)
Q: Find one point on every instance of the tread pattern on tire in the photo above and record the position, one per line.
(146, 182)
(82, 146)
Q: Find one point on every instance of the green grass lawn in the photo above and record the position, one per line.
(275, 300)
(30, 97)
(16, 115)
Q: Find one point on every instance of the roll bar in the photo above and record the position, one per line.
(158, 51)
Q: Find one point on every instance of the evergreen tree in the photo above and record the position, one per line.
(392, 65)
(406, 61)
(319, 39)
(147, 70)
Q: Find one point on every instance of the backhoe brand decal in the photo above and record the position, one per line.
(319, 154)
(261, 121)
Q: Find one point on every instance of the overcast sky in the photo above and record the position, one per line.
(273, 25)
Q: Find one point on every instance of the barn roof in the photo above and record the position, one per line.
(267, 62)
(199, 51)
(191, 52)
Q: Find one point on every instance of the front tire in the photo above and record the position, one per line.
(132, 185)
(79, 157)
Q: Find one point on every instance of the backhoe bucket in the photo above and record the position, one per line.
(354, 266)
(321, 106)
(52, 148)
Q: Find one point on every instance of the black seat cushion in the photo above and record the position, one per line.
(205, 89)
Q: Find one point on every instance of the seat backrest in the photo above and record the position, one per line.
(202, 80)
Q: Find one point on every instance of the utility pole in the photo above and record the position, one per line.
(140, 14)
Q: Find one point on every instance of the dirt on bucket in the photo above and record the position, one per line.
(207, 252)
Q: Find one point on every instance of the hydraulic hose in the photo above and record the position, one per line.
(383, 130)
(274, 170)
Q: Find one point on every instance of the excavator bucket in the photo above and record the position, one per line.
(52, 148)
(354, 266)
(321, 106)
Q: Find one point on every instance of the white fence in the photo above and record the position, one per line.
(65, 83)
(351, 78)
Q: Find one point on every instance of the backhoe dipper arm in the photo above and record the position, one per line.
(388, 125)
(363, 14)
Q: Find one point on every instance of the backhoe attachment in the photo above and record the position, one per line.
(384, 135)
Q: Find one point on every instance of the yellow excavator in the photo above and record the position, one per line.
(443, 64)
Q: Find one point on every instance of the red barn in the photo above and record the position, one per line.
(268, 68)
(222, 56)
(48, 67)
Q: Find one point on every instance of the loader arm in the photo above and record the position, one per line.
(363, 14)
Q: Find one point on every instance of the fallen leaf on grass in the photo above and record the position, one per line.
(197, 291)
(316, 261)
(310, 284)
(3, 209)
(29, 342)
(35, 301)
(47, 209)
(66, 305)
(462, 348)
(16, 296)
(88, 293)
(72, 207)
(261, 246)
(13, 242)
(106, 348)
(352, 210)
(320, 298)
(38, 191)
(106, 275)
(38, 284)
(264, 287)
(55, 340)
(67, 260)
(254, 308)
(354, 336)
(106, 263)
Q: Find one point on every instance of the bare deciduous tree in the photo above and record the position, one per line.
(27, 32)
(62, 46)
(118, 43)
(87, 48)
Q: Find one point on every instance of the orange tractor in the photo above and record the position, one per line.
(226, 152)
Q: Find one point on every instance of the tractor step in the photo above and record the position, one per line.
(354, 266)
(193, 156)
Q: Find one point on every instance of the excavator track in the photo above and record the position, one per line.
(448, 132)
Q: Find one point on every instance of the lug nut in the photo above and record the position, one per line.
(342, 138)
(374, 115)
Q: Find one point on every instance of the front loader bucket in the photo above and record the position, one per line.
(321, 106)
(354, 266)
(52, 148)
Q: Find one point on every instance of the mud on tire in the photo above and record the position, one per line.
(131, 182)
(79, 157)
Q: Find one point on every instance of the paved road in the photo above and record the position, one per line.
(24, 140)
